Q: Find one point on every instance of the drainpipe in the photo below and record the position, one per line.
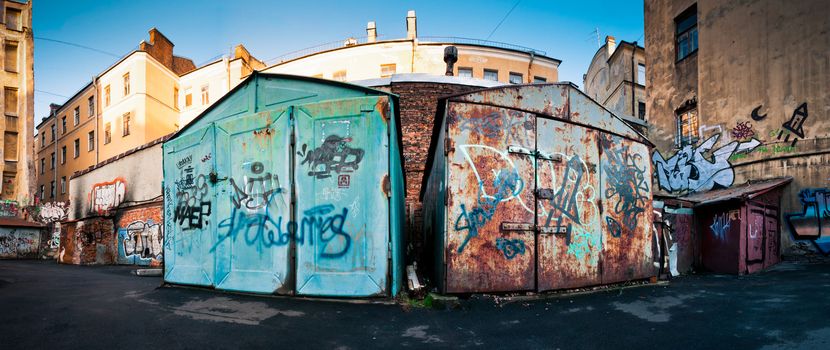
(96, 115)
(633, 81)
(529, 65)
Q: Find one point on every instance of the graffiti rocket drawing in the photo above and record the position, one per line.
(692, 170)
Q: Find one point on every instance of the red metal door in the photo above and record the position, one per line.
(627, 211)
(570, 240)
(773, 254)
(755, 233)
(490, 238)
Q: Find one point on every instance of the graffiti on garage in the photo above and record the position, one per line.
(257, 186)
(492, 126)
(193, 206)
(564, 201)
(510, 247)
(142, 240)
(9, 208)
(322, 223)
(626, 181)
(507, 184)
(693, 169)
(720, 226)
(18, 243)
(813, 223)
(334, 155)
(107, 195)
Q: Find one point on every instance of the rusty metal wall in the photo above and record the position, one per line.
(544, 190)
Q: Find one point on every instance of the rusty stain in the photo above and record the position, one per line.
(382, 106)
(386, 186)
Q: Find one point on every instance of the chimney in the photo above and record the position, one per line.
(53, 107)
(411, 25)
(450, 57)
(610, 45)
(371, 32)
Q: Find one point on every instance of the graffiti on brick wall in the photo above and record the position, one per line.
(19, 243)
(141, 240)
(89, 242)
(9, 208)
(813, 223)
(106, 196)
(699, 168)
(334, 155)
(53, 212)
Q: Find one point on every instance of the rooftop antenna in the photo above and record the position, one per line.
(595, 33)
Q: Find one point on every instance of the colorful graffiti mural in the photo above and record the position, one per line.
(9, 208)
(105, 196)
(19, 242)
(693, 169)
(53, 212)
(813, 223)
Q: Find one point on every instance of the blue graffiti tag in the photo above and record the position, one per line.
(613, 227)
(813, 223)
(510, 247)
(564, 201)
(720, 226)
(627, 182)
(318, 222)
(507, 184)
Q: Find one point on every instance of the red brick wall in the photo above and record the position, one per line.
(418, 102)
(145, 221)
(88, 242)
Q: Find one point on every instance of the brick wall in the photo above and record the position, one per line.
(140, 235)
(418, 102)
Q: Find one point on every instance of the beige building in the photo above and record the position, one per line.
(616, 78)
(740, 91)
(370, 58)
(18, 101)
(144, 96)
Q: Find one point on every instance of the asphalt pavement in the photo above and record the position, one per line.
(46, 305)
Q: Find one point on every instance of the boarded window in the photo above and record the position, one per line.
(10, 100)
(466, 72)
(687, 127)
(11, 122)
(386, 70)
(10, 146)
(10, 61)
(13, 19)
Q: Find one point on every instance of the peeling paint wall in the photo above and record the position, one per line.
(88, 242)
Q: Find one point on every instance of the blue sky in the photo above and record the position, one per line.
(202, 30)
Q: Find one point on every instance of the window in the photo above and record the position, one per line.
(63, 154)
(205, 97)
(539, 80)
(491, 74)
(10, 51)
(125, 124)
(386, 70)
(686, 33)
(641, 74)
(51, 189)
(77, 151)
(77, 116)
(126, 84)
(10, 100)
(90, 141)
(106, 96)
(91, 105)
(175, 97)
(516, 78)
(188, 97)
(13, 19)
(339, 75)
(107, 133)
(42, 165)
(641, 109)
(53, 132)
(687, 127)
(466, 72)
(42, 191)
(63, 124)
(42, 140)
(63, 184)
(10, 146)
(52, 162)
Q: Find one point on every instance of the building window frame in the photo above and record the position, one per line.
(465, 72)
(126, 77)
(687, 121)
(539, 80)
(125, 124)
(686, 34)
(42, 166)
(516, 78)
(340, 75)
(76, 115)
(16, 22)
(77, 151)
(11, 97)
(107, 133)
(387, 70)
(63, 184)
(63, 124)
(204, 94)
(641, 73)
(52, 189)
(63, 154)
(52, 162)
(493, 74)
(90, 139)
(641, 109)
(91, 106)
(11, 62)
(107, 95)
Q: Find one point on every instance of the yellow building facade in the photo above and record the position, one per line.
(369, 58)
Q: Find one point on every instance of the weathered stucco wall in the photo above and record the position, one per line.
(127, 180)
(762, 80)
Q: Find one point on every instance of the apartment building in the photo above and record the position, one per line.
(16, 128)
(616, 78)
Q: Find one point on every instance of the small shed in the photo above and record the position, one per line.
(534, 188)
(288, 185)
(20, 239)
(739, 228)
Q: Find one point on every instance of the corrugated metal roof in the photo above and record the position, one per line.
(748, 190)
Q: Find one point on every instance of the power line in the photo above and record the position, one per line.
(79, 45)
(50, 93)
(503, 18)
